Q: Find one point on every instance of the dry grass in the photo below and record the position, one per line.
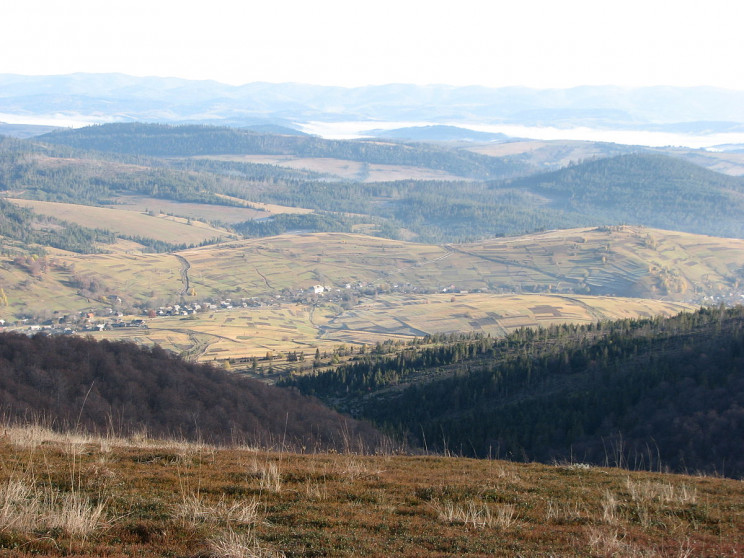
(27, 508)
(662, 492)
(194, 510)
(151, 498)
(268, 473)
(477, 515)
(128, 222)
(236, 545)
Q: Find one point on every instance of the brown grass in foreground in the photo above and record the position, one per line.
(68, 495)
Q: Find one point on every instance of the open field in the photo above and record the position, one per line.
(343, 168)
(547, 155)
(129, 222)
(78, 495)
(236, 333)
(627, 261)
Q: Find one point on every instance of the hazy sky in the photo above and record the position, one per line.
(545, 43)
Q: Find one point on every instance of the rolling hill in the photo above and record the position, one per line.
(189, 141)
(374, 289)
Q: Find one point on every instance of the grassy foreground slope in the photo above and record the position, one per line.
(69, 495)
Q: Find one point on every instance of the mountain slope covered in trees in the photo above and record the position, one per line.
(662, 393)
(649, 189)
(187, 164)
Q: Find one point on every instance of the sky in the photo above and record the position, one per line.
(495, 43)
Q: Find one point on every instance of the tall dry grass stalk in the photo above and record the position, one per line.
(240, 545)
(24, 508)
(662, 492)
(193, 510)
(475, 514)
(268, 473)
(609, 508)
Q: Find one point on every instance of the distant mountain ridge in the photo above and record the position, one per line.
(118, 97)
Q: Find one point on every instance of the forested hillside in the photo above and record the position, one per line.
(188, 141)
(654, 190)
(648, 394)
(101, 386)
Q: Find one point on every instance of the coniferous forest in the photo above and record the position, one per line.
(647, 394)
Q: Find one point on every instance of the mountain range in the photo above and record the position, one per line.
(96, 98)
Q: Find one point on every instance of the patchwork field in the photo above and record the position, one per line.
(496, 315)
(390, 289)
(236, 333)
(243, 333)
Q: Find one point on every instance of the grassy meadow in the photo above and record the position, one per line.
(77, 495)
(242, 211)
(629, 261)
(409, 316)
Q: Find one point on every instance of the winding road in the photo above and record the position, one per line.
(185, 266)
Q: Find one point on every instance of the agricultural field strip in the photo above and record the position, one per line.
(127, 222)
(342, 168)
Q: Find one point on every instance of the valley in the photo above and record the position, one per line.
(475, 285)
(371, 280)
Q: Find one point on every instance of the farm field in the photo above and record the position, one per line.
(242, 333)
(236, 333)
(148, 497)
(129, 222)
(495, 315)
(628, 261)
